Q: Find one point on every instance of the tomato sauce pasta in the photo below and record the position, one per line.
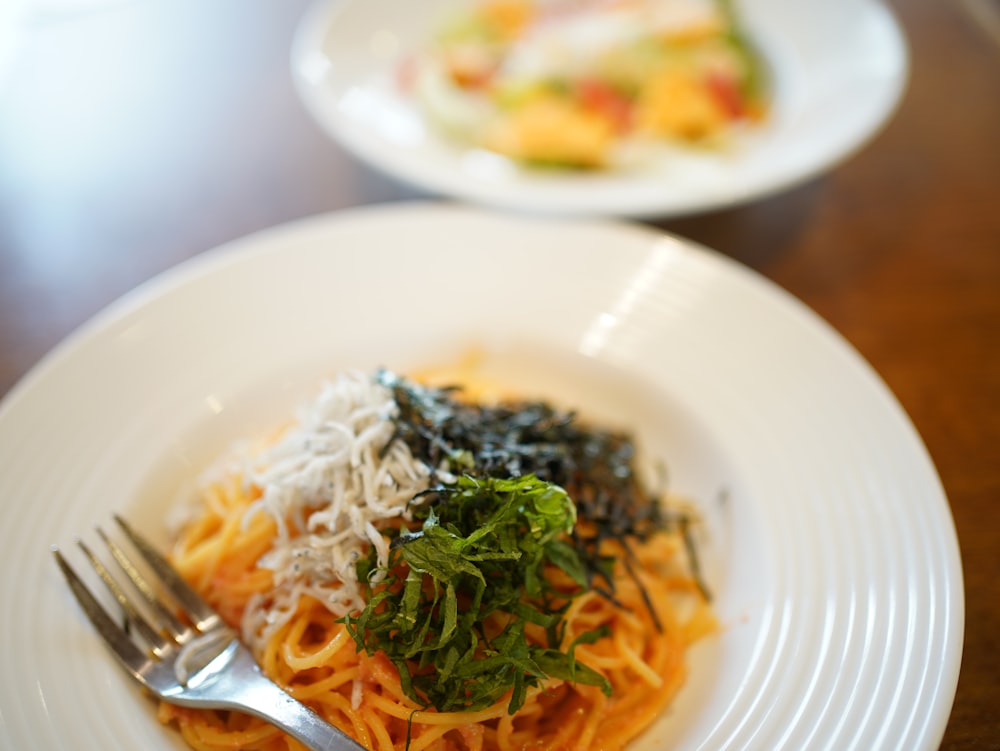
(252, 558)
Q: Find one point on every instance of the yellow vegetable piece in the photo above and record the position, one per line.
(507, 16)
(553, 130)
(675, 104)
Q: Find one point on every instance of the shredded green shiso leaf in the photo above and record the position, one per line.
(477, 561)
(460, 591)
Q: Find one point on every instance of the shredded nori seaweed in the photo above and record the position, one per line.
(596, 467)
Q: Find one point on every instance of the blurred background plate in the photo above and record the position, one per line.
(828, 541)
(838, 71)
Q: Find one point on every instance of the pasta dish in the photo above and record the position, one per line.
(431, 572)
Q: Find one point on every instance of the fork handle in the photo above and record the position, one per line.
(298, 720)
(244, 687)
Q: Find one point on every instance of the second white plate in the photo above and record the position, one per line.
(839, 70)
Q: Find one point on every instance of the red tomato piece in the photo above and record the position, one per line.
(727, 93)
(602, 98)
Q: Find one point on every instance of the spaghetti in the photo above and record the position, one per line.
(275, 545)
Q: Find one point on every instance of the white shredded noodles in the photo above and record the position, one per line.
(328, 475)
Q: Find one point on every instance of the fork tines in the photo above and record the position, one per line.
(154, 623)
(187, 656)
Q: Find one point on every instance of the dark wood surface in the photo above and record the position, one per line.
(136, 134)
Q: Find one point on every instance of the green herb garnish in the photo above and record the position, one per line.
(460, 593)
(467, 608)
(596, 467)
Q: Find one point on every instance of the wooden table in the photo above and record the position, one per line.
(134, 135)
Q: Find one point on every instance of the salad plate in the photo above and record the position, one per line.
(825, 536)
(835, 73)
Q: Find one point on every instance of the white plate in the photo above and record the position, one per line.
(829, 542)
(839, 70)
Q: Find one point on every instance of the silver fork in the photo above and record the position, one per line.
(193, 661)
